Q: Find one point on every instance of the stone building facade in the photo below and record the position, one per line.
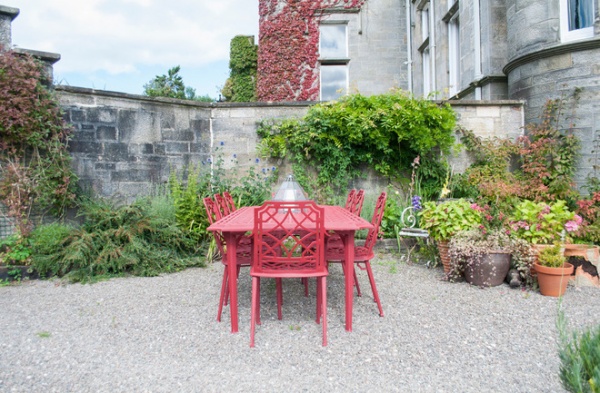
(532, 51)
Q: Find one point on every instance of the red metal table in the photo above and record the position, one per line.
(337, 219)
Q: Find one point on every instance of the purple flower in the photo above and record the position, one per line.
(222, 143)
(416, 203)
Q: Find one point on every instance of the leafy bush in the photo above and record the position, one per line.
(116, 241)
(336, 140)
(15, 250)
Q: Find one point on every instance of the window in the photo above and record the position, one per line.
(333, 51)
(576, 19)
(425, 50)
(453, 49)
(334, 81)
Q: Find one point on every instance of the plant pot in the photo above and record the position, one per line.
(553, 280)
(444, 256)
(489, 271)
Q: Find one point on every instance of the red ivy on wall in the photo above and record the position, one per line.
(288, 48)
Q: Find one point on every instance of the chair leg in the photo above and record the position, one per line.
(254, 308)
(224, 290)
(279, 286)
(374, 287)
(258, 304)
(358, 293)
(319, 295)
(305, 282)
(323, 281)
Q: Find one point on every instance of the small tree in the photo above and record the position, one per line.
(170, 85)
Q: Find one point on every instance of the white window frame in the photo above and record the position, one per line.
(454, 55)
(337, 62)
(567, 35)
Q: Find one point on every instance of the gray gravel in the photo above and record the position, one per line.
(160, 335)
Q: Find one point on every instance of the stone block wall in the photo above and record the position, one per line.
(123, 145)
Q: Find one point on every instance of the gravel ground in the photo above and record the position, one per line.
(160, 335)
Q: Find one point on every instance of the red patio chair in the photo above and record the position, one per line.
(229, 201)
(362, 254)
(223, 205)
(243, 254)
(288, 243)
(354, 201)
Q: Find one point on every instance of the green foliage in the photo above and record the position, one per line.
(171, 85)
(15, 250)
(580, 358)
(335, 141)
(552, 256)
(241, 85)
(539, 222)
(116, 241)
(35, 166)
(444, 220)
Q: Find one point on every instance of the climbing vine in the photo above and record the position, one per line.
(288, 48)
(335, 141)
(35, 166)
(241, 85)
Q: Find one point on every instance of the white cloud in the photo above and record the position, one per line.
(122, 36)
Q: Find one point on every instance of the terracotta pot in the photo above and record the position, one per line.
(591, 253)
(444, 256)
(490, 271)
(553, 280)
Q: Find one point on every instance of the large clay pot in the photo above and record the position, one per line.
(444, 255)
(553, 280)
(489, 271)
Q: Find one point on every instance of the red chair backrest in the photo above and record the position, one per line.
(229, 201)
(289, 237)
(350, 199)
(354, 201)
(376, 221)
(214, 214)
(222, 204)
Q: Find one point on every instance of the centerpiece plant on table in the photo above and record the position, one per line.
(444, 220)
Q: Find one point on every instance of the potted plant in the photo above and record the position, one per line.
(553, 270)
(444, 220)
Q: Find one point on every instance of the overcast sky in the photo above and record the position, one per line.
(120, 45)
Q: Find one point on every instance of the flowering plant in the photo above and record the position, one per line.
(543, 223)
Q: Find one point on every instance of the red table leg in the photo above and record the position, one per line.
(348, 240)
(231, 243)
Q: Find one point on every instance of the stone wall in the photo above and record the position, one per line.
(124, 144)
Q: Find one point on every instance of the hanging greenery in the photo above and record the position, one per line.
(337, 140)
(241, 85)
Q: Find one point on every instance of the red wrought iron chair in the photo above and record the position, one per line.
(362, 254)
(229, 201)
(243, 254)
(223, 205)
(288, 242)
(354, 201)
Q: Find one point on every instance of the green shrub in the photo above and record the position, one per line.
(580, 359)
(115, 241)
